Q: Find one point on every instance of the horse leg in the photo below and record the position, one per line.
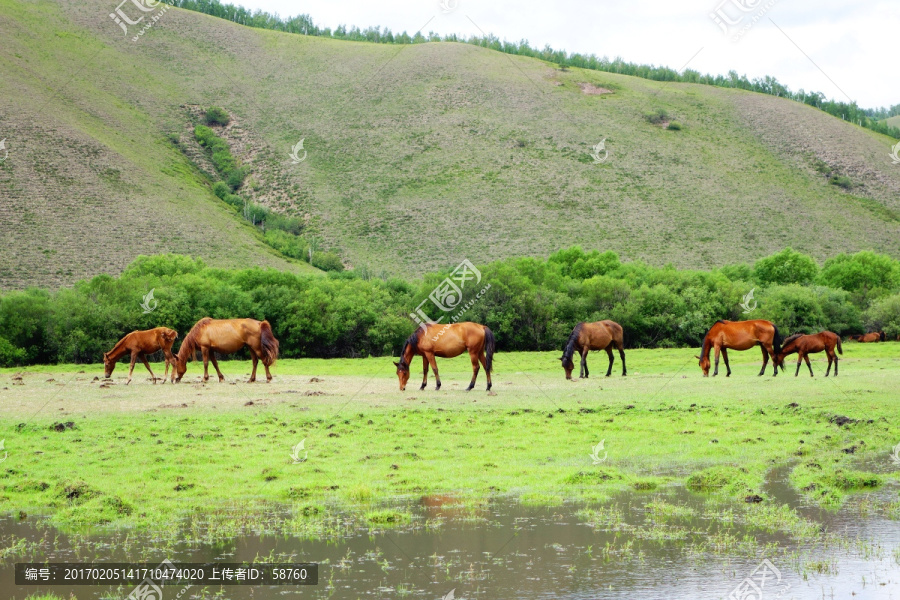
(799, 362)
(836, 360)
(474, 357)
(255, 362)
(727, 366)
(610, 354)
(622, 356)
(212, 357)
(806, 358)
(771, 350)
(434, 368)
(424, 372)
(205, 353)
(146, 364)
(828, 353)
(483, 362)
(718, 350)
(134, 356)
(584, 370)
(765, 359)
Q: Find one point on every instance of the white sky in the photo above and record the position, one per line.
(855, 42)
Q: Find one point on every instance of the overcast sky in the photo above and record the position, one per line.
(855, 43)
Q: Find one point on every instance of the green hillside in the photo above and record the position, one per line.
(892, 121)
(418, 156)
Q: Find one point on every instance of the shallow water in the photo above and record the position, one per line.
(504, 550)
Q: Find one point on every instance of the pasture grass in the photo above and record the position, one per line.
(216, 459)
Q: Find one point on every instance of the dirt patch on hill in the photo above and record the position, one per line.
(593, 90)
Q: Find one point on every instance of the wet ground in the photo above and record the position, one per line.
(505, 551)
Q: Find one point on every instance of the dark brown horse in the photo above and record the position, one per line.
(227, 336)
(602, 335)
(448, 341)
(868, 338)
(139, 344)
(804, 345)
(740, 335)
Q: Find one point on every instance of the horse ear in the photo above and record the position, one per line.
(697, 357)
(396, 364)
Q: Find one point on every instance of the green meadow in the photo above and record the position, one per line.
(85, 452)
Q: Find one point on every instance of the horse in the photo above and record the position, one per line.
(602, 335)
(804, 345)
(740, 335)
(227, 336)
(873, 336)
(139, 344)
(447, 341)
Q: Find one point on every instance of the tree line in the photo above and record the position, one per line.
(531, 303)
(870, 118)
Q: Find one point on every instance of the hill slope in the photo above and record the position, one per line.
(418, 156)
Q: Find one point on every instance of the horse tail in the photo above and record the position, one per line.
(840, 350)
(776, 339)
(490, 345)
(269, 344)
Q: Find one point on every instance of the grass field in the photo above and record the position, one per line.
(163, 456)
(408, 147)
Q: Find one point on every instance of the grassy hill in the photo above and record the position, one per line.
(892, 121)
(418, 156)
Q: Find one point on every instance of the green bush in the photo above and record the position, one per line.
(327, 261)
(657, 117)
(674, 126)
(221, 189)
(884, 315)
(216, 116)
(288, 244)
(841, 181)
(786, 267)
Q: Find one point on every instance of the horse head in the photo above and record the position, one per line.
(402, 373)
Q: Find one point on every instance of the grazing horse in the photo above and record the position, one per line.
(867, 338)
(602, 335)
(139, 344)
(227, 336)
(448, 341)
(804, 345)
(740, 335)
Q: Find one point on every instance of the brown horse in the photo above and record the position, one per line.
(867, 338)
(602, 335)
(139, 344)
(448, 341)
(740, 335)
(227, 336)
(804, 345)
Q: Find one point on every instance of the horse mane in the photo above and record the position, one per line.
(190, 345)
(703, 343)
(569, 349)
(118, 345)
(413, 341)
(790, 339)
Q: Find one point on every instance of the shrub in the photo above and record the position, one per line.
(220, 189)
(786, 267)
(841, 181)
(327, 261)
(884, 315)
(216, 116)
(288, 244)
(862, 271)
(674, 126)
(657, 117)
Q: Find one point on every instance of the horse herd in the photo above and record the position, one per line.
(226, 336)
